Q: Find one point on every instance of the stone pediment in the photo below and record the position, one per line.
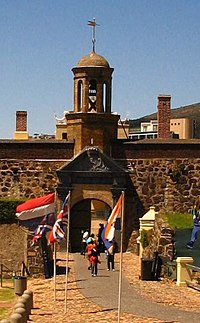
(91, 159)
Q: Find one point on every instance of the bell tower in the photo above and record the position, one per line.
(92, 85)
(92, 123)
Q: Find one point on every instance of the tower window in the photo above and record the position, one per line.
(64, 135)
(80, 95)
(92, 95)
(104, 97)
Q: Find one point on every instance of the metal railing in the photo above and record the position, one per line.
(190, 283)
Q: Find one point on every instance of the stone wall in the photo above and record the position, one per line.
(167, 184)
(16, 247)
(161, 241)
(13, 246)
(34, 262)
(36, 149)
(28, 178)
(159, 149)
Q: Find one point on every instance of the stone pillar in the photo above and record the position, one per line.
(183, 273)
(76, 96)
(108, 96)
(85, 103)
(164, 110)
(147, 223)
(99, 98)
(21, 126)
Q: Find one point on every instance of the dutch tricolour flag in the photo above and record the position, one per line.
(108, 233)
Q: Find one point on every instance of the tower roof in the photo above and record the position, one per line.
(93, 60)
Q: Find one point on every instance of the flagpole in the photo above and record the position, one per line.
(54, 269)
(120, 263)
(67, 251)
(54, 254)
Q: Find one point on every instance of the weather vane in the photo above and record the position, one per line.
(93, 24)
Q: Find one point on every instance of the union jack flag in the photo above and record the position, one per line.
(58, 231)
(45, 225)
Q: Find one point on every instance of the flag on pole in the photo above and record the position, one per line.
(36, 207)
(45, 225)
(58, 231)
(108, 232)
(121, 260)
(92, 23)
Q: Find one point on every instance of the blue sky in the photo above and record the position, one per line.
(153, 45)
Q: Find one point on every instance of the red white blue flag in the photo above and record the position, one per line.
(58, 231)
(45, 225)
(108, 232)
(35, 208)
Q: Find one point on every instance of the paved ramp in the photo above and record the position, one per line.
(103, 291)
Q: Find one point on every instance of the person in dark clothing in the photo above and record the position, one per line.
(100, 241)
(94, 259)
(110, 253)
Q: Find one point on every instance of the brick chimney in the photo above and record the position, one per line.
(21, 126)
(21, 120)
(164, 111)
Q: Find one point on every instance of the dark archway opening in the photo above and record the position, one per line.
(84, 215)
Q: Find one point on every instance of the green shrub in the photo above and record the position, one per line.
(8, 210)
(144, 239)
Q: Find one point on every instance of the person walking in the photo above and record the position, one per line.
(196, 227)
(100, 241)
(90, 238)
(84, 241)
(94, 259)
(88, 252)
(110, 253)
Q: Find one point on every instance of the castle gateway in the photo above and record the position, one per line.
(93, 177)
(87, 158)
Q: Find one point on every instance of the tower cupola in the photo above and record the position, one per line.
(92, 123)
(92, 84)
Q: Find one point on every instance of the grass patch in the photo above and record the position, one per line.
(7, 295)
(8, 282)
(179, 220)
(5, 312)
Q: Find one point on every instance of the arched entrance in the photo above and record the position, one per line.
(86, 214)
(90, 176)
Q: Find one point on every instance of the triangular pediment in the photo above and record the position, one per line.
(91, 159)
